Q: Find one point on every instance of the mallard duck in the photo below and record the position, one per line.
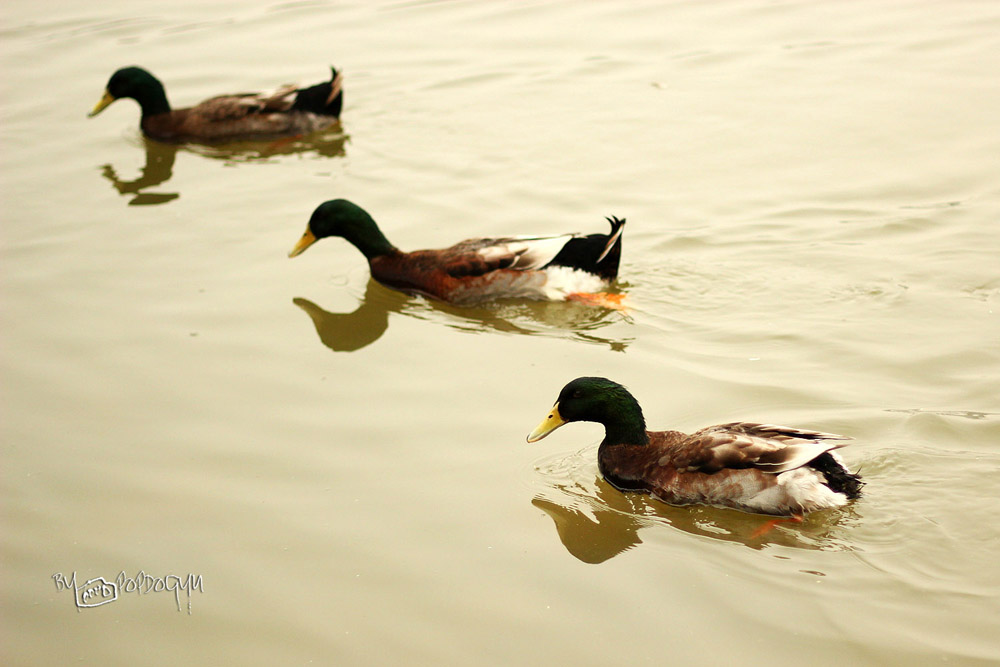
(287, 111)
(565, 267)
(760, 468)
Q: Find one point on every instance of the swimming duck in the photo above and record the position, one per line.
(760, 468)
(565, 267)
(287, 111)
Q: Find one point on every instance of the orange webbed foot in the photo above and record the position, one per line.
(602, 299)
(279, 144)
(768, 526)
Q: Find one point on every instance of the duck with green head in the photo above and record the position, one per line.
(288, 111)
(760, 468)
(565, 267)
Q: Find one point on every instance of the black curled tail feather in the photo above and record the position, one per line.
(614, 238)
(599, 254)
(325, 99)
(838, 478)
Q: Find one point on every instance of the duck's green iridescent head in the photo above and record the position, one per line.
(138, 84)
(596, 399)
(339, 217)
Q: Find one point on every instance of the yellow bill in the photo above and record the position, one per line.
(105, 101)
(553, 421)
(307, 240)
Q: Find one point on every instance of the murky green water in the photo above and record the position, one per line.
(813, 202)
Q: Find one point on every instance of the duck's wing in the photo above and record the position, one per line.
(771, 448)
(477, 257)
(241, 105)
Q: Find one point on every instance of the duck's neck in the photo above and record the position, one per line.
(373, 243)
(623, 423)
(152, 98)
(623, 454)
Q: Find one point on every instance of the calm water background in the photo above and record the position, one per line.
(813, 196)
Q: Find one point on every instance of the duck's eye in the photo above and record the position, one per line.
(577, 394)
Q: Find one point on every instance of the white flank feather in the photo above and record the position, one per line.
(562, 281)
(532, 252)
(805, 488)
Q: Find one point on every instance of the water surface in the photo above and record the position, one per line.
(812, 199)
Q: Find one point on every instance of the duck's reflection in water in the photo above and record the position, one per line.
(160, 158)
(329, 143)
(158, 169)
(346, 332)
(596, 521)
